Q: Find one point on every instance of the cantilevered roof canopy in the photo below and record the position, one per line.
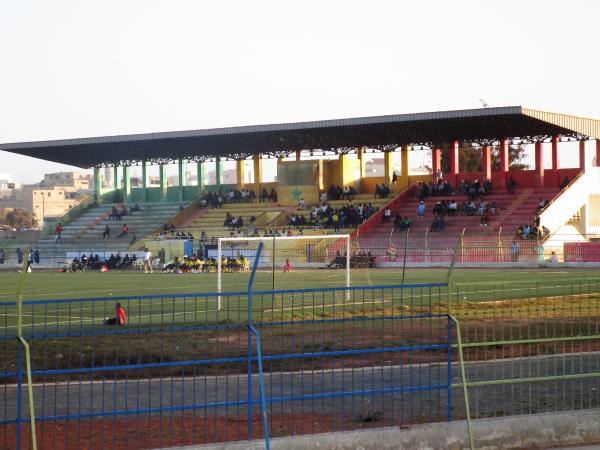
(487, 124)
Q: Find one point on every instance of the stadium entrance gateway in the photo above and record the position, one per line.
(304, 150)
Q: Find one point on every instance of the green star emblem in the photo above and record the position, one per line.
(296, 194)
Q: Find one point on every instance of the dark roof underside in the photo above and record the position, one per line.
(238, 142)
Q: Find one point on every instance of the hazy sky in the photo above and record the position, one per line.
(84, 68)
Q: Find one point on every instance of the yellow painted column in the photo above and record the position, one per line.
(239, 168)
(388, 169)
(403, 178)
(257, 173)
(343, 169)
(361, 162)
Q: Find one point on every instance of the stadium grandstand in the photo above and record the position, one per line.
(331, 290)
(321, 184)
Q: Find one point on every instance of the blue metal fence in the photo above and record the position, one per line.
(181, 371)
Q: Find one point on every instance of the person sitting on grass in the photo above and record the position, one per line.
(287, 268)
(120, 319)
(173, 266)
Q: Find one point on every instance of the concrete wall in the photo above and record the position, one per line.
(516, 432)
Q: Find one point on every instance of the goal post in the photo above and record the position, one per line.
(290, 261)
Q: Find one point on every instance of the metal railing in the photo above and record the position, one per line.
(528, 348)
(181, 372)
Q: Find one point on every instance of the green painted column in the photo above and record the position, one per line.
(201, 177)
(181, 178)
(126, 183)
(145, 180)
(163, 182)
(218, 172)
(98, 184)
(116, 184)
(116, 178)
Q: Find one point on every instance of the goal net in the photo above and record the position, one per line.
(286, 262)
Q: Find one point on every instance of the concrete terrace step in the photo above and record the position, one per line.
(90, 225)
(512, 210)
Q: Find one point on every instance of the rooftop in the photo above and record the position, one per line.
(430, 128)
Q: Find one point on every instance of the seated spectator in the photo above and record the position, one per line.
(387, 214)
(346, 193)
(511, 185)
(452, 207)
(351, 193)
(302, 204)
(519, 232)
(482, 208)
(565, 182)
(398, 223)
(541, 205)
(493, 208)
(273, 195)
(359, 260)
(124, 231)
(228, 220)
(485, 219)
(545, 231)
(406, 224)
(470, 208)
(438, 223)
(487, 186)
(553, 257)
(377, 191)
(264, 195)
(423, 191)
(133, 239)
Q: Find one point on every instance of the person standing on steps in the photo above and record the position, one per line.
(106, 233)
(58, 233)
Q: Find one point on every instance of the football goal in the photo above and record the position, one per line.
(286, 262)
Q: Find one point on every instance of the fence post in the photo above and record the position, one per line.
(253, 330)
(464, 382)
(19, 394)
(449, 369)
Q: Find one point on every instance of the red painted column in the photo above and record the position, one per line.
(539, 165)
(486, 162)
(436, 160)
(504, 162)
(555, 160)
(454, 162)
(598, 152)
(582, 155)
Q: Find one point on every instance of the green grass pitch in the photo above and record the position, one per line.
(467, 284)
